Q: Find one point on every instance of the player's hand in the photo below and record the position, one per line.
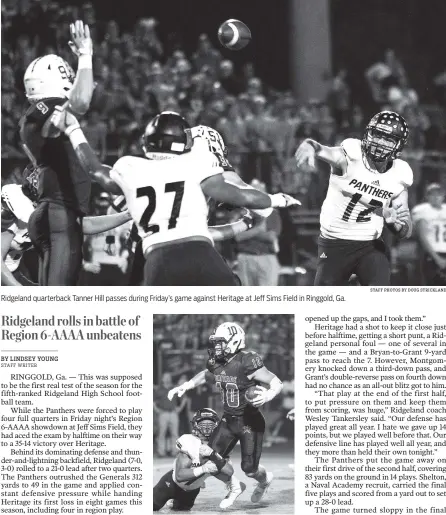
(283, 200)
(178, 390)
(81, 42)
(93, 268)
(261, 397)
(290, 414)
(205, 450)
(305, 156)
(210, 468)
(63, 119)
(248, 219)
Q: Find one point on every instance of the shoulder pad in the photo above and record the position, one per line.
(405, 172)
(190, 445)
(352, 149)
(20, 205)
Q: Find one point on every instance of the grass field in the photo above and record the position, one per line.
(278, 500)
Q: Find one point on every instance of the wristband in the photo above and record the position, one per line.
(198, 471)
(76, 136)
(85, 62)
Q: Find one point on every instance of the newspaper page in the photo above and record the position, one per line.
(223, 257)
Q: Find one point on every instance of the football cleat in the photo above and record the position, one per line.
(262, 488)
(234, 491)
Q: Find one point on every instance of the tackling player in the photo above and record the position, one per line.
(430, 228)
(234, 370)
(63, 187)
(368, 185)
(165, 193)
(16, 212)
(194, 463)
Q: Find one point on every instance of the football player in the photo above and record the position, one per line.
(234, 370)
(430, 229)
(195, 462)
(63, 187)
(165, 193)
(16, 211)
(368, 186)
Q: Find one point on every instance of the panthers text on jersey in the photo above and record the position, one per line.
(16, 210)
(58, 175)
(164, 197)
(352, 207)
(190, 445)
(232, 380)
(436, 224)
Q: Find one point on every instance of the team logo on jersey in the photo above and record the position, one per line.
(371, 189)
(247, 429)
(323, 256)
(167, 483)
(223, 372)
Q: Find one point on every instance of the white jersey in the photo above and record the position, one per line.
(190, 445)
(436, 224)
(164, 197)
(21, 207)
(352, 207)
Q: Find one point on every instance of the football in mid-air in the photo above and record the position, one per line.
(252, 392)
(234, 34)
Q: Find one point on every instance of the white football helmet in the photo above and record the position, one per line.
(212, 137)
(48, 76)
(227, 340)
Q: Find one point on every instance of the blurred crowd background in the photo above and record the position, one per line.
(144, 63)
(180, 351)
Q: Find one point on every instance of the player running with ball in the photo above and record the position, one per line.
(235, 371)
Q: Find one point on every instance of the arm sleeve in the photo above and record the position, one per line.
(251, 362)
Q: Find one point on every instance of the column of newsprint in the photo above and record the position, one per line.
(73, 409)
(374, 410)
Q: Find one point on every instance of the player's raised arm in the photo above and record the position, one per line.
(263, 375)
(309, 150)
(228, 231)
(81, 45)
(100, 173)
(98, 224)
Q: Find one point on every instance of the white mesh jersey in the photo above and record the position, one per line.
(352, 209)
(164, 197)
(436, 224)
(21, 207)
(190, 445)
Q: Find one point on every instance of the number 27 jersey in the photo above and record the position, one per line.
(352, 207)
(164, 197)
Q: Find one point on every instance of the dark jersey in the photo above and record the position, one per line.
(232, 380)
(59, 175)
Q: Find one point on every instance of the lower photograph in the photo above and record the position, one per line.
(223, 413)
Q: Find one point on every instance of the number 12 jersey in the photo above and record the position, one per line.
(352, 209)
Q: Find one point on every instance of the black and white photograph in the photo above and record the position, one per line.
(223, 413)
(252, 143)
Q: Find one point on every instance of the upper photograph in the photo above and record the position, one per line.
(231, 143)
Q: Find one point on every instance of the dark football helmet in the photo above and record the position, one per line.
(204, 422)
(385, 136)
(167, 133)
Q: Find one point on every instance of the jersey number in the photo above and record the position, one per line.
(363, 216)
(440, 233)
(150, 193)
(232, 394)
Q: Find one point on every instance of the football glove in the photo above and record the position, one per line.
(290, 415)
(180, 390)
(283, 200)
(305, 155)
(218, 460)
(210, 467)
